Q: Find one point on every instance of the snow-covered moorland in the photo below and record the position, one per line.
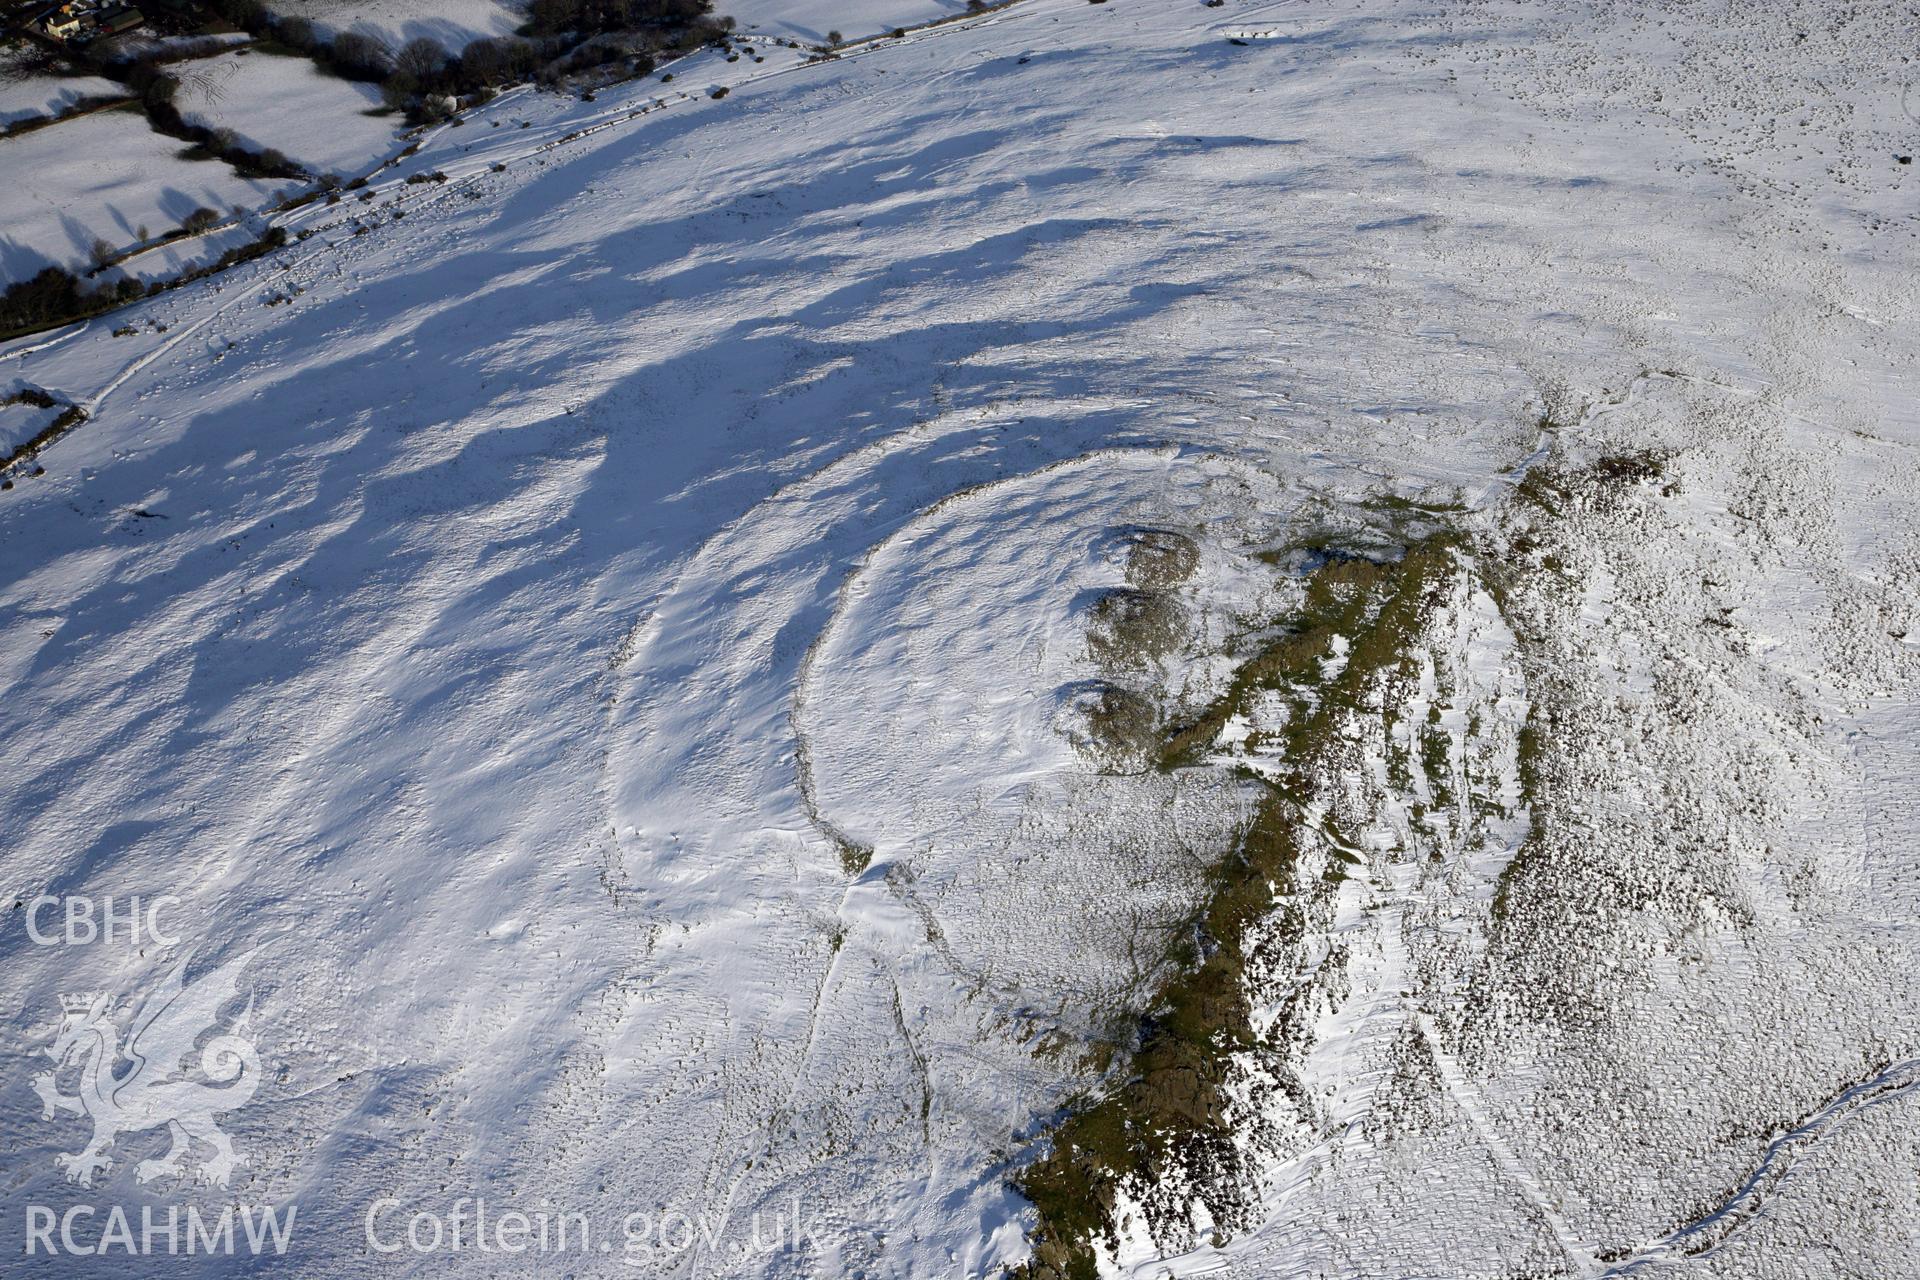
(1118, 639)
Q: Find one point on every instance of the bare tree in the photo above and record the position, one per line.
(422, 58)
(25, 61)
(362, 53)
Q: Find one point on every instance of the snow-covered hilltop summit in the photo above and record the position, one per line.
(1256, 639)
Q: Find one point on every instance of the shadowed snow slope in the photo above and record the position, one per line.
(611, 633)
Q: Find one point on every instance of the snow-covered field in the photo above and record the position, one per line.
(812, 20)
(31, 97)
(454, 23)
(177, 49)
(627, 634)
(275, 102)
(20, 422)
(104, 177)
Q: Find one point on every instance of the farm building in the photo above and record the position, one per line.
(117, 20)
(61, 22)
(79, 22)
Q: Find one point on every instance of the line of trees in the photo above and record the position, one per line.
(601, 17)
(57, 296)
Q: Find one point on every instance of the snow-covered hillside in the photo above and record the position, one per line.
(658, 650)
